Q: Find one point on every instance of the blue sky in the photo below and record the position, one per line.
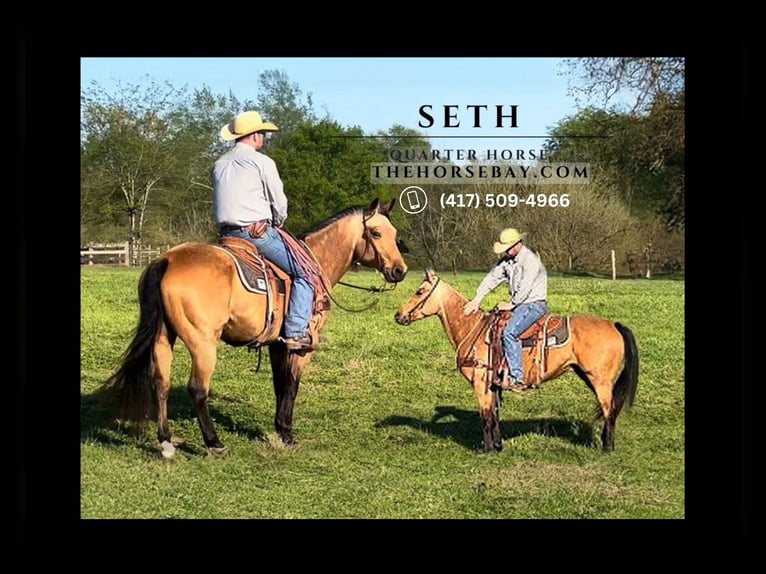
(376, 93)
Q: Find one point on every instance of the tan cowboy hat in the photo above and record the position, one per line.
(508, 238)
(244, 124)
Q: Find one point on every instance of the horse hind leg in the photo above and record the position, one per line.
(607, 414)
(601, 386)
(163, 358)
(203, 364)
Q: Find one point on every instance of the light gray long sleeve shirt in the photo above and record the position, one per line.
(241, 178)
(525, 275)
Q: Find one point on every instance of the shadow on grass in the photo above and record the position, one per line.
(465, 429)
(98, 422)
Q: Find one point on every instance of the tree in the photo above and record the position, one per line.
(146, 152)
(637, 159)
(325, 168)
(129, 146)
(281, 101)
(439, 234)
(655, 134)
(183, 210)
(581, 236)
(640, 80)
(605, 141)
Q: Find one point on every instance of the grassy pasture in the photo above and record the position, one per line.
(385, 425)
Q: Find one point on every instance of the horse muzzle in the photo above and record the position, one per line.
(402, 319)
(395, 274)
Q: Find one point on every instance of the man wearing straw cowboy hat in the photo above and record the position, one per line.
(249, 202)
(527, 281)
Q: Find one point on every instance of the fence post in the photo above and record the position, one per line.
(126, 246)
(614, 267)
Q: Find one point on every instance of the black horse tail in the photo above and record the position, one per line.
(133, 382)
(625, 388)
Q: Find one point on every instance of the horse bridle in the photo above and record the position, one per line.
(458, 344)
(328, 288)
(368, 242)
(425, 299)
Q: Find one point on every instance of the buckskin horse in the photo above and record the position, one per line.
(593, 348)
(198, 293)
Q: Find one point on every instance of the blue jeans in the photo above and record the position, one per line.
(274, 249)
(521, 319)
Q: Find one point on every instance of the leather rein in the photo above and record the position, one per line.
(458, 344)
(425, 299)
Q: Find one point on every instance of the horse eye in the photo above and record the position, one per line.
(375, 234)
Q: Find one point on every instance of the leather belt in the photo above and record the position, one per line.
(242, 227)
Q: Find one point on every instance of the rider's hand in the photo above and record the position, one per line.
(471, 307)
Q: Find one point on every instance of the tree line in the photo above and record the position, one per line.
(146, 151)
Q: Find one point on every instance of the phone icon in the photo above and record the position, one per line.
(414, 199)
(410, 199)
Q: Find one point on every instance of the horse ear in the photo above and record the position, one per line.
(373, 207)
(386, 209)
(430, 275)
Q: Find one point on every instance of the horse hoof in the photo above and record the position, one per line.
(168, 450)
(286, 440)
(217, 450)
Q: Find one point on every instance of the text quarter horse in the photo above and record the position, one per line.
(601, 352)
(193, 293)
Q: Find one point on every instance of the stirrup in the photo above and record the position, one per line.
(507, 383)
(304, 343)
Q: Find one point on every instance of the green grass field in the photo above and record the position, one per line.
(385, 425)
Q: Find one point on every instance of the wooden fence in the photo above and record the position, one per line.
(118, 254)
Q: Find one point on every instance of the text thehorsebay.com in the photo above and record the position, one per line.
(409, 165)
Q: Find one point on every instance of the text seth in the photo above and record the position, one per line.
(504, 116)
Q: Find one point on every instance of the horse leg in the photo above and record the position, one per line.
(203, 363)
(286, 373)
(604, 396)
(489, 411)
(599, 367)
(163, 357)
(603, 380)
(600, 382)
